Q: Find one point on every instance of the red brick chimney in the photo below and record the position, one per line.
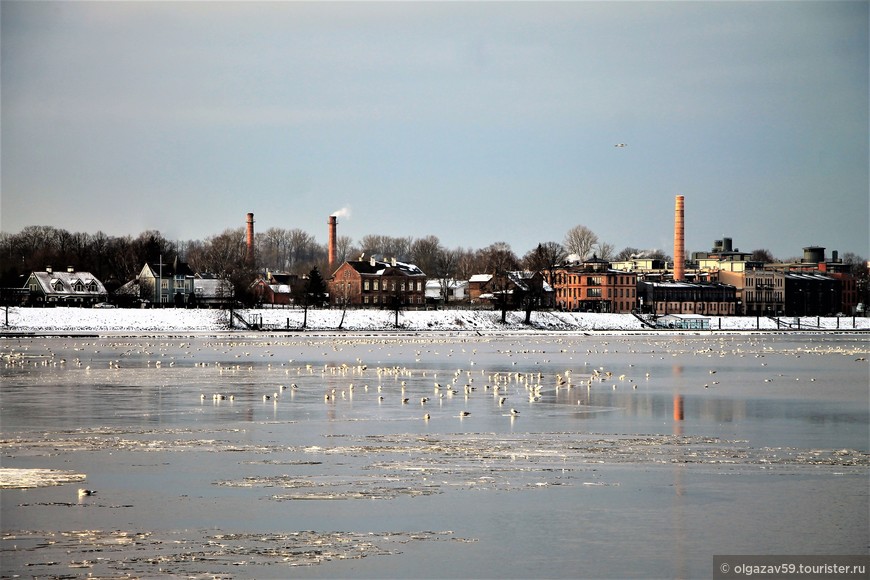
(249, 257)
(679, 240)
(333, 221)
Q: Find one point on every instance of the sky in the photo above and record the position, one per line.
(476, 122)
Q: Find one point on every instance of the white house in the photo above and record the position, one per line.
(70, 288)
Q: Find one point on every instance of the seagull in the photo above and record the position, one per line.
(621, 145)
(514, 412)
(83, 491)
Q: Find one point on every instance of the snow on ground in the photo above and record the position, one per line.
(179, 320)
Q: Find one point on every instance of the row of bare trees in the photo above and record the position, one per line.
(116, 260)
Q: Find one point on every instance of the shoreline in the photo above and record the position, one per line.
(95, 322)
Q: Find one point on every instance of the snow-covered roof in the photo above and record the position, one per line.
(374, 267)
(68, 283)
(480, 278)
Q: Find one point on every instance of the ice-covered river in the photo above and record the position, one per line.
(430, 455)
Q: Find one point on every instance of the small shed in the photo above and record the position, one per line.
(684, 322)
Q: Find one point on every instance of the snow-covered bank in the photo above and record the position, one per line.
(179, 320)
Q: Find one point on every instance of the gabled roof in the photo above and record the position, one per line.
(175, 269)
(65, 283)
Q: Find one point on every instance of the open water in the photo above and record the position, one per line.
(557, 456)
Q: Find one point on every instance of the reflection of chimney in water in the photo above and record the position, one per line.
(678, 407)
(679, 240)
(333, 221)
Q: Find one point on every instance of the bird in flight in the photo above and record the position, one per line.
(621, 145)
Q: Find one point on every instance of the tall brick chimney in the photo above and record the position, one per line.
(679, 240)
(333, 221)
(249, 257)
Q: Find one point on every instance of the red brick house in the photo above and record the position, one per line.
(376, 284)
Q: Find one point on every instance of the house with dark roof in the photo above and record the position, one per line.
(511, 289)
(377, 283)
(275, 288)
(167, 284)
(70, 288)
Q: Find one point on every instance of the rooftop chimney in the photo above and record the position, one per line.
(249, 257)
(333, 221)
(679, 240)
(70, 269)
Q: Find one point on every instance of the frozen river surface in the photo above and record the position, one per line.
(431, 456)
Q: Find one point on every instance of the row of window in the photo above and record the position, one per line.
(777, 281)
(386, 300)
(562, 279)
(596, 292)
(375, 286)
(768, 296)
(179, 284)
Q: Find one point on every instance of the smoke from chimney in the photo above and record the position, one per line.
(249, 258)
(679, 240)
(330, 245)
(343, 212)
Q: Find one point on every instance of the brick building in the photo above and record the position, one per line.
(592, 286)
(375, 283)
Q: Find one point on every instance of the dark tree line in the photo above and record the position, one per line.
(118, 259)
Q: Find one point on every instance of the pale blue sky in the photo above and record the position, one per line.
(474, 122)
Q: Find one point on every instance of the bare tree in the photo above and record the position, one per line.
(545, 257)
(425, 253)
(580, 240)
(445, 270)
(763, 256)
(604, 250)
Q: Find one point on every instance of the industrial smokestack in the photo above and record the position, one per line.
(333, 221)
(679, 240)
(249, 257)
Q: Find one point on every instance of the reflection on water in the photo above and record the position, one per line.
(275, 452)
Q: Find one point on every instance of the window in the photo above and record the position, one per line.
(376, 285)
(58, 286)
(164, 284)
(402, 287)
(366, 285)
(78, 286)
(593, 292)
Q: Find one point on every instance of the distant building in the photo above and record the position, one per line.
(70, 288)
(512, 289)
(209, 291)
(275, 288)
(662, 298)
(378, 284)
(166, 284)
(811, 294)
(759, 292)
(815, 263)
(455, 290)
(593, 286)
